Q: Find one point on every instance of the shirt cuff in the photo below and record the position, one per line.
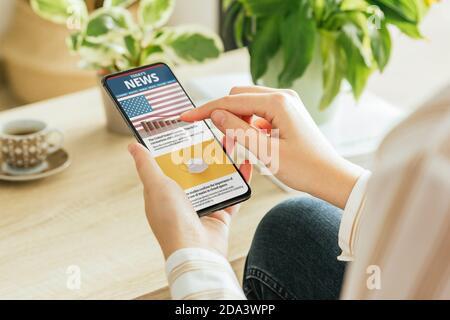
(200, 274)
(350, 217)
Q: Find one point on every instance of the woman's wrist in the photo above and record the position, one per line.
(336, 182)
(180, 240)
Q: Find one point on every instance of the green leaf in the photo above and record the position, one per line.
(133, 47)
(265, 8)
(337, 20)
(191, 45)
(333, 68)
(155, 13)
(406, 10)
(109, 23)
(329, 8)
(153, 54)
(410, 29)
(249, 27)
(59, 11)
(118, 3)
(149, 51)
(319, 9)
(264, 46)
(356, 70)
(404, 14)
(380, 40)
(298, 38)
(354, 5)
(355, 26)
(226, 4)
(234, 21)
(103, 55)
(74, 41)
(422, 7)
(239, 29)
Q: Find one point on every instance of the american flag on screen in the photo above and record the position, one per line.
(164, 102)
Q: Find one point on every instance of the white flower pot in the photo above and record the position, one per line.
(309, 86)
(114, 120)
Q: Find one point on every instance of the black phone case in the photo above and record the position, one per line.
(201, 212)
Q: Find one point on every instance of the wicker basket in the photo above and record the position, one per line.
(37, 62)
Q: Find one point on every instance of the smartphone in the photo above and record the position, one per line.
(150, 100)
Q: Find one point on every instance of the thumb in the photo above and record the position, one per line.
(146, 166)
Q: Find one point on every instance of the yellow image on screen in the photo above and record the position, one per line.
(179, 172)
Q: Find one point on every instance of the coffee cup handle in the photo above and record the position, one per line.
(54, 146)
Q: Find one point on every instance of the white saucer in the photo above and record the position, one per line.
(55, 163)
(13, 171)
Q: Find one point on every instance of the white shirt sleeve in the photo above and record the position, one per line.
(350, 217)
(200, 274)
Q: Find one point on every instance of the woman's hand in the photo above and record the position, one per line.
(306, 161)
(171, 216)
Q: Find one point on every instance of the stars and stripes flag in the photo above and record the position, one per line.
(163, 102)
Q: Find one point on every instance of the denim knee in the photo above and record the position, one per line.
(306, 214)
(290, 239)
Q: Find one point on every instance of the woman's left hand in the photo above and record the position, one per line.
(170, 214)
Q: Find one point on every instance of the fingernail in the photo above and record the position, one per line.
(187, 113)
(218, 117)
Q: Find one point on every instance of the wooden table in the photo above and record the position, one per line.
(92, 215)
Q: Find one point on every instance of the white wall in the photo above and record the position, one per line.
(418, 69)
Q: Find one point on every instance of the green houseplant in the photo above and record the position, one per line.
(117, 35)
(315, 45)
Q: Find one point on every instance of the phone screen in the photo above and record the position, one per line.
(151, 99)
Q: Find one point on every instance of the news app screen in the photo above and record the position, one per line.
(186, 152)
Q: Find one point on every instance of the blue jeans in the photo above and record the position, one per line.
(293, 254)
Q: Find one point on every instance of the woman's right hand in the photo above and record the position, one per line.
(306, 161)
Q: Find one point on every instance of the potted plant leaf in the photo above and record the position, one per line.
(313, 46)
(122, 34)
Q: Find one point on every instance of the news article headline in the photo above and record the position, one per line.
(140, 80)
